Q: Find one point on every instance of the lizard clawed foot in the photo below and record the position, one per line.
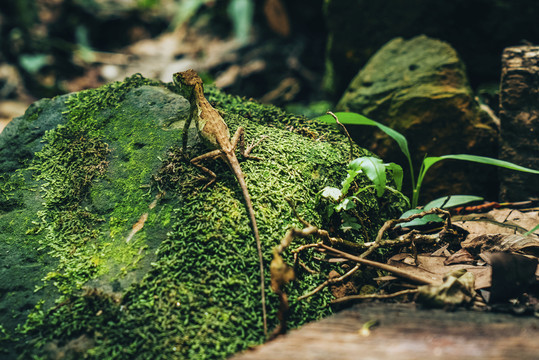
(207, 179)
(210, 179)
(249, 148)
(208, 184)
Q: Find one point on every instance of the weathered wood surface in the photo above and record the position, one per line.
(405, 332)
(519, 117)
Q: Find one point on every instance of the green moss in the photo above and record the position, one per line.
(79, 153)
(273, 116)
(185, 285)
(11, 191)
(90, 110)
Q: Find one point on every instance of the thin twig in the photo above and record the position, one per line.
(411, 237)
(304, 247)
(308, 269)
(345, 299)
(394, 270)
(346, 132)
(293, 233)
(330, 282)
(391, 223)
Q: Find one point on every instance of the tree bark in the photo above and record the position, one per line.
(519, 116)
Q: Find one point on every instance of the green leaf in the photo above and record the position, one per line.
(352, 174)
(454, 200)
(478, 159)
(346, 204)
(419, 221)
(396, 171)
(355, 165)
(532, 230)
(375, 170)
(349, 223)
(348, 118)
(429, 161)
(331, 192)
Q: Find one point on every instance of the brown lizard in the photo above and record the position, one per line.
(213, 129)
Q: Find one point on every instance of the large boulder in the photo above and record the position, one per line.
(419, 88)
(107, 236)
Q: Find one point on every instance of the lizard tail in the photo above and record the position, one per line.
(235, 165)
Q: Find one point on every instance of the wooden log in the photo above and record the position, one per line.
(519, 117)
(404, 332)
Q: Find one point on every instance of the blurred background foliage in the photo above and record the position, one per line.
(52, 42)
(291, 53)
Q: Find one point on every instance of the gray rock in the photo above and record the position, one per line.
(21, 138)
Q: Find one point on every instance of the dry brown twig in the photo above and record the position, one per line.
(391, 224)
(330, 282)
(345, 299)
(410, 238)
(281, 274)
(378, 265)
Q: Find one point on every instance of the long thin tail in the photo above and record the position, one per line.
(235, 165)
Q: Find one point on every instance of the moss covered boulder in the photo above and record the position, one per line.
(111, 250)
(419, 87)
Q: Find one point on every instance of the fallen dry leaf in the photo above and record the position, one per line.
(514, 243)
(137, 226)
(457, 288)
(434, 268)
(512, 275)
(460, 257)
(498, 221)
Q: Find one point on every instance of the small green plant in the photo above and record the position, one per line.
(375, 170)
(357, 119)
(347, 196)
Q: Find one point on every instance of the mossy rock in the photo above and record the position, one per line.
(130, 258)
(419, 87)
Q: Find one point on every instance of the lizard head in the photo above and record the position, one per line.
(186, 81)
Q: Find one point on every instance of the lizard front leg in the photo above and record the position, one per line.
(212, 155)
(239, 138)
(185, 134)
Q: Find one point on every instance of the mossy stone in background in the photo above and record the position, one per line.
(419, 88)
